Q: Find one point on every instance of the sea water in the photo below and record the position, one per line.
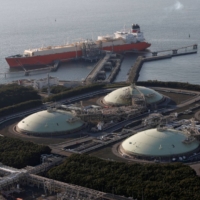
(166, 25)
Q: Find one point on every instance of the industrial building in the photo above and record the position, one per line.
(49, 122)
(132, 95)
(45, 82)
(159, 142)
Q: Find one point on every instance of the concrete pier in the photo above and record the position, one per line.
(114, 72)
(109, 61)
(135, 69)
(92, 76)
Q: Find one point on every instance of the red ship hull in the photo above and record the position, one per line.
(45, 60)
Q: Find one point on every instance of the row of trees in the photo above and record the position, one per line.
(17, 153)
(116, 85)
(57, 89)
(170, 84)
(150, 181)
(12, 94)
(60, 92)
(19, 107)
(75, 91)
(16, 98)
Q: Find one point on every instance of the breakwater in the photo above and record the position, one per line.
(135, 69)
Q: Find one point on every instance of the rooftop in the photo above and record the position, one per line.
(159, 142)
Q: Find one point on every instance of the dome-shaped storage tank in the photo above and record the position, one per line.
(159, 142)
(130, 94)
(49, 122)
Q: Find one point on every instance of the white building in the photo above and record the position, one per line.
(45, 82)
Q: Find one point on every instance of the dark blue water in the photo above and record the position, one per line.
(166, 24)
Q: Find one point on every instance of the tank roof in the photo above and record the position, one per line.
(122, 96)
(158, 142)
(50, 121)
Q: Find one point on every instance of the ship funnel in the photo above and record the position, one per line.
(135, 28)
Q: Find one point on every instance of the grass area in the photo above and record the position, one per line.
(182, 109)
(188, 116)
(189, 107)
(177, 98)
(91, 101)
(37, 140)
(106, 153)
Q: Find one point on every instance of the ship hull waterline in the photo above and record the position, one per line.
(48, 60)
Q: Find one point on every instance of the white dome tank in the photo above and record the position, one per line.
(124, 95)
(49, 122)
(158, 142)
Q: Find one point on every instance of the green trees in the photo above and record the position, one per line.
(12, 94)
(75, 91)
(19, 107)
(58, 89)
(171, 84)
(153, 181)
(16, 98)
(17, 153)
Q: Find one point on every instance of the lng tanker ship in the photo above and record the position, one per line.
(120, 42)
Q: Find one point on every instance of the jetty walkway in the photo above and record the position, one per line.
(135, 69)
(111, 62)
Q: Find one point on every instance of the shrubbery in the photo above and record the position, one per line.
(13, 94)
(16, 98)
(19, 154)
(155, 181)
(75, 91)
(19, 107)
(170, 84)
